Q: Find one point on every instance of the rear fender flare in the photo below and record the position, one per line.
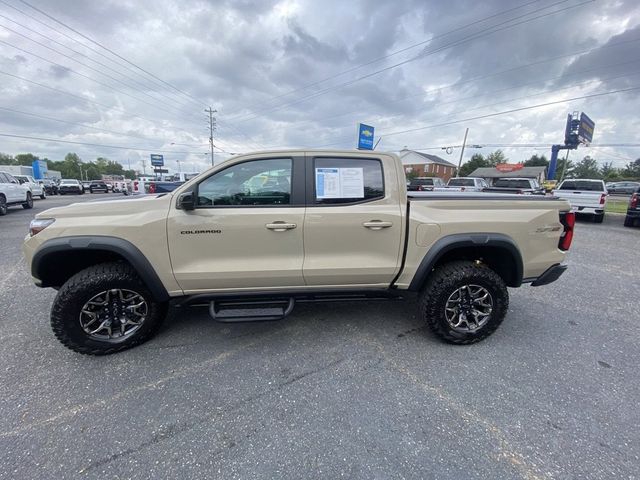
(466, 240)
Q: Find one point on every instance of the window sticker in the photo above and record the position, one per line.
(339, 183)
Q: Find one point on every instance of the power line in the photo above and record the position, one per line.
(479, 117)
(467, 39)
(484, 94)
(181, 105)
(410, 47)
(152, 79)
(112, 52)
(56, 140)
(94, 70)
(86, 76)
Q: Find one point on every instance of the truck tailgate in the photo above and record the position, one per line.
(580, 198)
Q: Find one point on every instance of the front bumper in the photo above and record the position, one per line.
(550, 275)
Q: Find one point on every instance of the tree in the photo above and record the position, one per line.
(587, 168)
(6, 159)
(632, 170)
(496, 157)
(476, 161)
(608, 171)
(25, 159)
(537, 161)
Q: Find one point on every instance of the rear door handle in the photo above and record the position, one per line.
(377, 225)
(280, 226)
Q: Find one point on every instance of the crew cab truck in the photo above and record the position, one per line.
(12, 192)
(585, 195)
(254, 235)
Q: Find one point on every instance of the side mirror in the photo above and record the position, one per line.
(186, 201)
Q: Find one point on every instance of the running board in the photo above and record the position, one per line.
(229, 311)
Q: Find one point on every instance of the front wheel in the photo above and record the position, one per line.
(105, 309)
(3, 205)
(464, 302)
(43, 195)
(29, 203)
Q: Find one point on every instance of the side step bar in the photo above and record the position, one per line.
(250, 311)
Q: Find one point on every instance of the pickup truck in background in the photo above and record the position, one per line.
(633, 210)
(585, 196)
(518, 186)
(425, 184)
(466, 184)
(253, 235)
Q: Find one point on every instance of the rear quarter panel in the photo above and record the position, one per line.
(533, 225)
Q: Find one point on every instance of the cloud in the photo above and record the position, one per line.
(302, 73)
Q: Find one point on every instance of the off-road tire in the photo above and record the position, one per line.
(29, 203)
(72, 296)
(444, 281)
(598, 218)
(3, 205)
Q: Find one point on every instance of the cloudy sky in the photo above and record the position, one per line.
(138, 75)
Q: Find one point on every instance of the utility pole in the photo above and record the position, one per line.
(144, 167)
(212, 127)
(464, 143)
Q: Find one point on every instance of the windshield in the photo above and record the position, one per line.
(422, 181)
(586, 185)
(461, 182)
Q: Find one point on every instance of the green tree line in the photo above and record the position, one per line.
(588, 167)
(72, 166)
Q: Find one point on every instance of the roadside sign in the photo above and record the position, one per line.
(365, 137)
(585, 130)
(509, 167)
(160, 170)
(157, 160)
(40, 170)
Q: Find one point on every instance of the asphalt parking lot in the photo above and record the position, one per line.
(355, 390)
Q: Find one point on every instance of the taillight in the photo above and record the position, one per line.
(152, 187)
(568, 221)
(634, 201)
(602, 198)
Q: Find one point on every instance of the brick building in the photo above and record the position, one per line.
(426, 165)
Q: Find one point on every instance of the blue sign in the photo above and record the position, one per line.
(157, 160)
(39, 169)
(365, 137)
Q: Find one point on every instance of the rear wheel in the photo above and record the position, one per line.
(598, 218)
(105, 309)
(3, 205)
(43, 195)
(29, 203)
(464, 302)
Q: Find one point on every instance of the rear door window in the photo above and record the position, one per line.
(347, 180)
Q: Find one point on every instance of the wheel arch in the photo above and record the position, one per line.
(58, 259)
(498, 251)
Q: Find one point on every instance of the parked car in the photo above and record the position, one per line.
(633, 210)
(86, 185)
(520, 186)
(98, 186)
(12, 192)
(50, 186)
(316, 225)
(425, 184)
(585, 195)
(624, 187)
(70, 185)
(37, 189)
(467, 184)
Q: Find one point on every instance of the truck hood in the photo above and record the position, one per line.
(105, 208)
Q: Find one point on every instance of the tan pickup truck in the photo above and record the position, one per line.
(253, 235)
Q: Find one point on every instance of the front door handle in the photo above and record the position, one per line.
(280, 226)
(377, 225)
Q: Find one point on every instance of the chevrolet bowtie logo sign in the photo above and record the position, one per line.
(365, 137)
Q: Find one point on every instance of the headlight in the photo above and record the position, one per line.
(39, 224)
